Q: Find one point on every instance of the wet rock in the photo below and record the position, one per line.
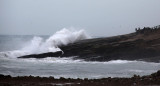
(43, 55)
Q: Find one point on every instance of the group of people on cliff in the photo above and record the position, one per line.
(147, 29)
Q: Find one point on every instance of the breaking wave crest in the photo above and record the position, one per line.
(39, 45)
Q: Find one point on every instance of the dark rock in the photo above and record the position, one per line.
(43, 55)
(141, 46)
(136, 80)
(157, 74)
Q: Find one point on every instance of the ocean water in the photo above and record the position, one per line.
(12, 47)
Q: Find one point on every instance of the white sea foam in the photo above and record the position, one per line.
(39, 45)
(52, 60)
(120, 61)
(70, 60)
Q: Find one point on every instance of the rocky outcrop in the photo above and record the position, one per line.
(141, 45)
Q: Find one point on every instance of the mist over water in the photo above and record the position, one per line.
(15, 46)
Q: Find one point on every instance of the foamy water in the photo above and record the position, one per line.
(69, 68)
(62, 67)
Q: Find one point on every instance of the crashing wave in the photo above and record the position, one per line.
(38, 45)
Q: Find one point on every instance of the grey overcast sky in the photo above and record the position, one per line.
(97, 17)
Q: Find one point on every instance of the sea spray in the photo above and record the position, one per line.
(38, 45)
(63, 37)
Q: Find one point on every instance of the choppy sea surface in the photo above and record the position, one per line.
(13, 46)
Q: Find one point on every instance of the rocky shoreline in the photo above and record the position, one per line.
(149, 80)
(142, 45)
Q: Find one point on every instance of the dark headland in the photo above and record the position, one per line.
(143, 45)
